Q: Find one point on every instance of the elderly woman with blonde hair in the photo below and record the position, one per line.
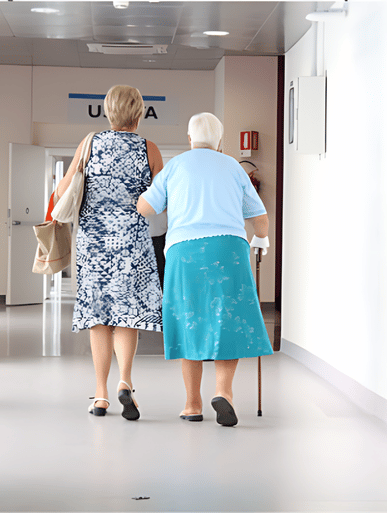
(118, 288)
(210, 306)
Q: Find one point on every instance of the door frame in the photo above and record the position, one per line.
(279, 197)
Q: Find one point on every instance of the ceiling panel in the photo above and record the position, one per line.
(201, 41)
(255, 28)
(16, 60)
(90, 60)
(5, 31)
(15, 46)
(138, 13)
(234, 17)
(284, 27)
(48, 52)
(197, 64)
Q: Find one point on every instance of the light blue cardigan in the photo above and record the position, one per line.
(206, 193)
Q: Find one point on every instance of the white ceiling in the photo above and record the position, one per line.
(60, 39)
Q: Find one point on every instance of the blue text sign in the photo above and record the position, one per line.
(88, 109)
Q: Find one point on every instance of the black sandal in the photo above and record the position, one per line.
(94, 410)
(130, 411)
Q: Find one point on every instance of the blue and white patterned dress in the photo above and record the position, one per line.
(117, 278)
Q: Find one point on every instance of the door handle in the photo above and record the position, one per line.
(15, 223)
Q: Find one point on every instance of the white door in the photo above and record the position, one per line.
(25, 209)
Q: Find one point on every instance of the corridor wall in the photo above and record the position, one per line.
(34, 104)
(15, 126)
(250, 103)
(335, 224)
(44, 120)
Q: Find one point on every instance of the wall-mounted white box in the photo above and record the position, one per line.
(311, 118)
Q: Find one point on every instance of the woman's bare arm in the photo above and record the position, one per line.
(155, 159)
(260, 225)
(66, 180)
(144, 208)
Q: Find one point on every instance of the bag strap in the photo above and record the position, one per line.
(85, 153)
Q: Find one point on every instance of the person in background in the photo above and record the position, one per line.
(158, 229)
(118, 288)
(211, 309)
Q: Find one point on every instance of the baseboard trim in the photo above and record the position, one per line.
(371, 403)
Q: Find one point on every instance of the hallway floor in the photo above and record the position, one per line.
(312, 450)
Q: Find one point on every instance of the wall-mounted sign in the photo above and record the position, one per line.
(88, 109)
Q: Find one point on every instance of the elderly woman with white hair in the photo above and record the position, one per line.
(210, 306)
(118, 287)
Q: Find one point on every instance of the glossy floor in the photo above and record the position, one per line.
(312, 450)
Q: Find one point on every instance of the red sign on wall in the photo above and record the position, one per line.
(249, 140)
(245, 141)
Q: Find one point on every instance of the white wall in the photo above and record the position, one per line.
(219, 89)
(243, 93)
(15, 126)
(49, 88)
(335, 222)
(193, 91)
(250, 103)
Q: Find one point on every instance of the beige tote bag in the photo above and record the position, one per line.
(53, 253)
(56, 245)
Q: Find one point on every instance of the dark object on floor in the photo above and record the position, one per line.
(225, 414)
(140, 498)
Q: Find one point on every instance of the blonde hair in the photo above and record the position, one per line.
(205, 130)
(123, 106)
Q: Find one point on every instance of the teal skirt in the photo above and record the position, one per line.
(210, 304)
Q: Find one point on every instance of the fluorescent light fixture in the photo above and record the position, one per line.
(45, 10)
(216, 33)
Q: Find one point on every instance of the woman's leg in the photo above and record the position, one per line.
(101, 341)
(192, 375)
(125, 347)
(225, 371)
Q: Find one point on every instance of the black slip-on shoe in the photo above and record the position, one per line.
(192, 418)
(225, 413)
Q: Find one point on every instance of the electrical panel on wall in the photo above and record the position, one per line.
(311, 115)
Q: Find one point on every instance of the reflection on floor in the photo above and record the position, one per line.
(312, 450)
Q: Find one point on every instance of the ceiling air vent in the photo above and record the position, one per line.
(126, 48)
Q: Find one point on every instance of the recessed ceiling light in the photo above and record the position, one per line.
(131, 25)
(45, 10)
(121, 4)
(216, 33)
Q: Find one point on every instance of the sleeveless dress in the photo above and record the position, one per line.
(117, 278)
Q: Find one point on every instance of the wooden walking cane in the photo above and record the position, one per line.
(258, 256)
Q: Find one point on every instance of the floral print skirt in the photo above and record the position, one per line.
(210, 305)
(117, 278)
